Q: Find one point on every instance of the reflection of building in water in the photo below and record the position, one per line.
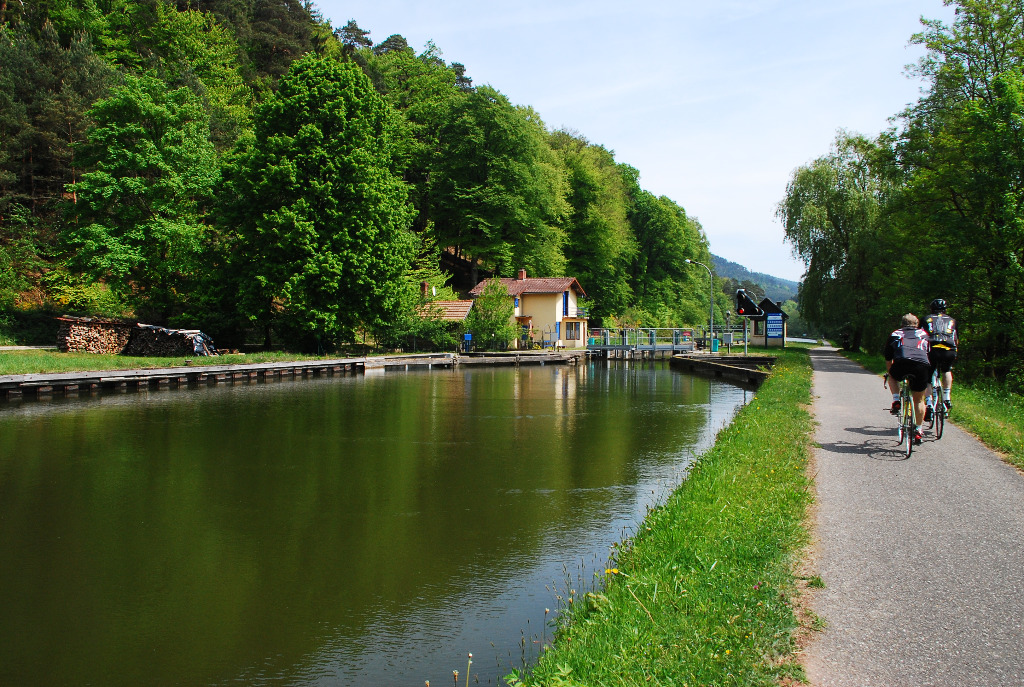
(567, 382)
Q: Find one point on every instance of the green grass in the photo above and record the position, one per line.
(993, 414)
(43, 361)
(986, 409)
(702, 595)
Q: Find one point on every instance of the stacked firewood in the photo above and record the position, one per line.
(148, 339)
(88, 335)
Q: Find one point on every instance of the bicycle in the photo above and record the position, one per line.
(906, 417)
(905, 430)
(938, 407)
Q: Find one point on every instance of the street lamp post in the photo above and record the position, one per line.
(711, 301)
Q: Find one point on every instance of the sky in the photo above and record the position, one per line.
(716, 103)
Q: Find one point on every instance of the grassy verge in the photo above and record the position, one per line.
(987, 410)
(703, 594)
(43, 361)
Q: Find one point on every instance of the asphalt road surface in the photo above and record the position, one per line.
(922, 558)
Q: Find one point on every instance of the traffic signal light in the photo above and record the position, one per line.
(745, 306)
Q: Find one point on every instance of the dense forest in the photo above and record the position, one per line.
(933, 207)
(244, 167)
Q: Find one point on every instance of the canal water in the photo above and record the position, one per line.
(344, 531)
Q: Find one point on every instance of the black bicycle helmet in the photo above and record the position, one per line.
(938, 305)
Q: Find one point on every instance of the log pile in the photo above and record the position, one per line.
(91, 335)
(148, 339)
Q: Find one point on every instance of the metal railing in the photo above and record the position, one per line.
(643, 337)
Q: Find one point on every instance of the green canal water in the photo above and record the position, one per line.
(347, 531)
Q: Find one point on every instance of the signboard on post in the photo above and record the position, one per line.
(773, 325)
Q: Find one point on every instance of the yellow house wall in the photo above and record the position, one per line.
(546, 311)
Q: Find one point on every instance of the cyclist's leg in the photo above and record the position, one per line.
(947, 386)
(945, 369)
(918, 376)
(919, 407)
(894, 388)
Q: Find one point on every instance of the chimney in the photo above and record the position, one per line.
(522, 275)
(424, 286)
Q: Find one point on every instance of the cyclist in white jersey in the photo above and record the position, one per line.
(943, 340)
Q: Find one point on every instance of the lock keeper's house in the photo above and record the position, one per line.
(548, 309)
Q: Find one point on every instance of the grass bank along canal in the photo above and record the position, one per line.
(348, 530)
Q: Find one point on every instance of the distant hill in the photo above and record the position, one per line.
(776, 288)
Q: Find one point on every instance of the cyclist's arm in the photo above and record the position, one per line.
(889, 352)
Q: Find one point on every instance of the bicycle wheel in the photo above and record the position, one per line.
(901, 433)
(908, 421)
(940, 418)
(936, 400)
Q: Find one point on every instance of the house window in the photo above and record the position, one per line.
(573, 330)
(565, 304)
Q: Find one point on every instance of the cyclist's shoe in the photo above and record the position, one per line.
(949, 406)
(917, 437)
(895, 410)
(928, 414)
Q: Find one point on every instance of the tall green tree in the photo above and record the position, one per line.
(497, 191)
(490, 319)
(599, 242)
(666, 291)
(961, 152)
(422, 88)
(322, 217)
(140, 213)
(281, 32)
(190, 48)
(46, 90)
(831, 215)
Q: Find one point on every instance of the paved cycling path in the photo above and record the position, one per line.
(922, 559)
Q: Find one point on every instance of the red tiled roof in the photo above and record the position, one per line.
(454, 311)
(517, 287)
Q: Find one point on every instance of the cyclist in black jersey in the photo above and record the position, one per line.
(943, 340)
(906, 356)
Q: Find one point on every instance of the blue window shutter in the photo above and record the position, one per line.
(565, 304)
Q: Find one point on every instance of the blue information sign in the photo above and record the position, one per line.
(774, 325)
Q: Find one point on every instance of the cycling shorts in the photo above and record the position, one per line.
(920, 374)
(942, 359)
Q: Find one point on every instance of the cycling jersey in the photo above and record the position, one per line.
(909, 343)
(941, 331)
